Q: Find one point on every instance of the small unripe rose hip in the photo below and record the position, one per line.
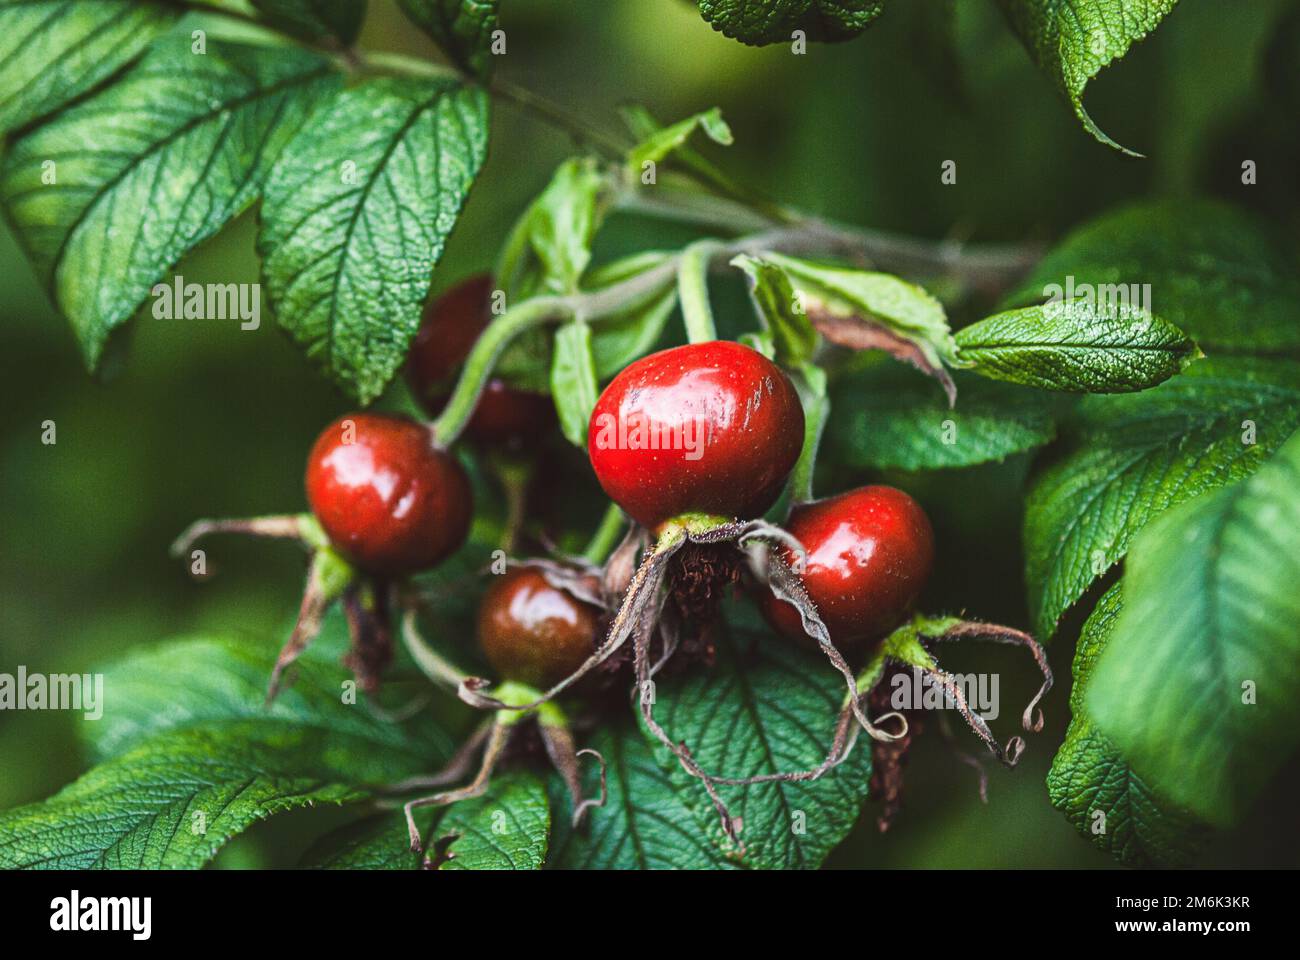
(451, 326)
(387, 498)
(534, 632)
(868, 556)
(712, 428)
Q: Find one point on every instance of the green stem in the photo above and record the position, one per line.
(399, 64)
(558, 117)
(592, 306)
(478, 366)
(978, 266)
(816, 411)
(606, 536)
(693, 289)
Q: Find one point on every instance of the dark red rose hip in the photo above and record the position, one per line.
(868, 556)
(534, 632)
(712, 428)
(387, 498)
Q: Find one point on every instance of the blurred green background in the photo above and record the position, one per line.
(201, 419)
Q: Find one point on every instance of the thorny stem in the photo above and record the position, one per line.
(550, 112)
(982, 267)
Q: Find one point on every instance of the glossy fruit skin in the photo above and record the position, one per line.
(451, 326)
(734, 429)
(533, 632)
(389, 500)
(869, 554)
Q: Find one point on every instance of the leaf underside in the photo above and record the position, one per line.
(1124, 459)
(1197, 686)
(1093, 785)
(1071, 41)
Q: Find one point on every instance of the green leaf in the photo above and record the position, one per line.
(1197, 686)
(189, 765)
(1127, 458)
(225, 684)
(376, 843)
(617, 341)
(860, 309)
(780, 309)
(313, 19)
(1217, 273)
(175, 800)
(354, 222)
(548, 252)
(766, 707)
(1076, 346)
(150, 167)
(462, 28)
(667, 140)
(891, 417)
(1072, 42)
(505, 829)
(53, 51)
(550, 246)
(573, 380)
(773, 21)
(1093, 785)
(643, 125)
(643, 824)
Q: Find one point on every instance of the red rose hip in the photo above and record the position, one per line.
(868, 555)
(534, 632)
(450, 328)
(387, 498)
(712, 428)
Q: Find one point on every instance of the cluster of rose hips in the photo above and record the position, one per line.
(388, 500)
